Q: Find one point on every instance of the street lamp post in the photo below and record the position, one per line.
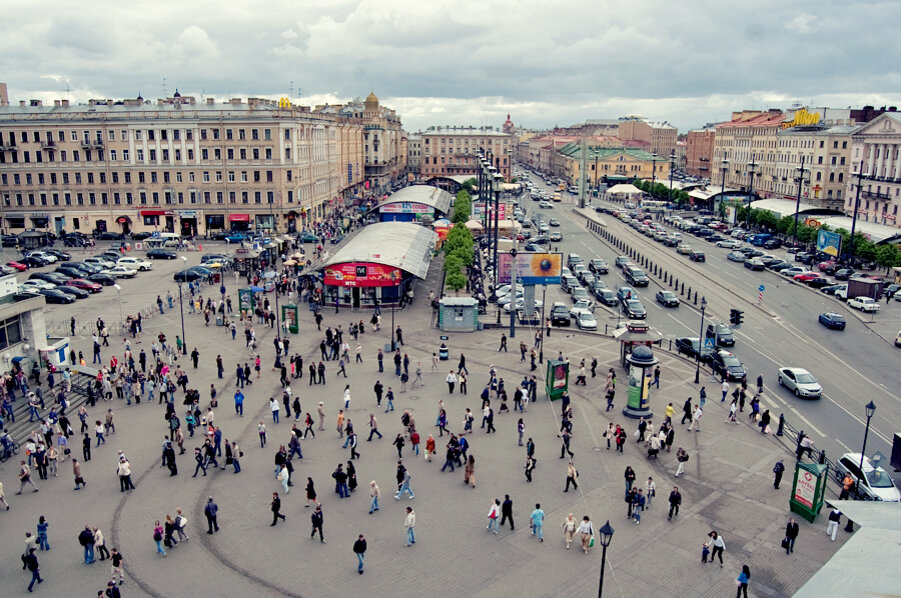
(860, 177)
(513, 295)
(700, 342)
(654, 157)
(119, 298)
(496, 180)
(606, 533)
(181, 310)
(723, 190)
(541, 325)
(672, 166)
(801, 170)
(752, 165)
(871, 409)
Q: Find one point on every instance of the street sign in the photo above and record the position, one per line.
(709, 342)
(761, 288)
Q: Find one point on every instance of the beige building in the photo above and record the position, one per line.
(178, 165)
(610, 162)
(414, 154)
(660, 136)
(449, 151)
(826, 150)
(876, 152)
(750, 136)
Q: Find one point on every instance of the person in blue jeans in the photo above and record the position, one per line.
(86, 539)
(31, 563)
(239, 403)
(374, 493)
(360, 550)
(405, 487)
(42, 533)
(389, 396)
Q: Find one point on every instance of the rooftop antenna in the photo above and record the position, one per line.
(165, 93)
(290, 90)
(67, 90)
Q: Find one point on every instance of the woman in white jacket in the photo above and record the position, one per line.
(493, 514)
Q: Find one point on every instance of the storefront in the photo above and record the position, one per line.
(380, 263)
(188, 219)
(124, 223)
(414, 204)
(162, 220)
(239, 222)
(214, 222)
(264, 222)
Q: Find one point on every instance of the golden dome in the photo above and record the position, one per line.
(372, 101)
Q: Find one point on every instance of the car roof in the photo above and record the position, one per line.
(795, 370)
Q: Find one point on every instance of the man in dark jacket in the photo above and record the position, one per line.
(211, 511)
(30, 562)
(507, 511)
(675, 500)
(276, 507)
(360, 550)
(778, 470)
(317, 519)
(791, 534)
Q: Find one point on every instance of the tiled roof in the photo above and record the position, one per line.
(574, 150)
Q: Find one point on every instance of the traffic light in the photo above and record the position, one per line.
(736, 316)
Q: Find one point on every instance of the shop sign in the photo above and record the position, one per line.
(360, 274)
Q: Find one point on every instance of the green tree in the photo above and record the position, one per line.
(462, 206)
(455, 280)
(865, 250)
(785, 225)
(452, 263)
(469, 185)
(887, 255)
(767, 219)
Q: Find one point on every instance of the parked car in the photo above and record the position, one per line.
(831, 289)
(560, 315)
(607, 297)
(794, 271)
(637, 277)
(74, 291)
(729, 366)
(120, 272)
(106, 280)
(34, 285)
(800, 382)
(729, 243)
(85, 285)
(17, 266)
(755, 265)
(819, 282)
(598, 266)
(161, 254)
(863, 304)
(585, 320)
(736, 256)
(140, 236)
(109, 236)
(187, 275)
(683, 249)
(844, 274)
(57, 296)
(873, 482)
(59, 255)
(697, 255)
(722, 335)
(135, 263)
(689, 346)
(667, 298)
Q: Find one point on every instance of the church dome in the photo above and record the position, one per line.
(372, 101)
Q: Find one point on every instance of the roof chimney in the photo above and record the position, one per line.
(21, 103)
(210, 101)
(65, 103)
(56, 103)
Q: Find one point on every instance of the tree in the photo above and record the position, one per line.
(767, 219)
(469, 185)
(462, 206)
(786, 225)
(452, 263)
(455, 280)
(887, 255)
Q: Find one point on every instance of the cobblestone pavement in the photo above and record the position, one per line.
(727, 487)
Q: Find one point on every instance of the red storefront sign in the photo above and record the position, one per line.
(362, 274)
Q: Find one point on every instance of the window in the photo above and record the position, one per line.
(256, 153)
(125, 155)
(842, 161)
(206, 176)
(165, 155)
(254, 134)
(189, 135)
(257, 197)
(231, 197)
(243, 153)
(218, 176)
(190, 155)
(844, 145)
(203, 134)
(138, 135)
(230, 154)
(268, 153)
(243, 196)
(204, 154)
(153, 155)
(127, 178)
(176, 135)
(177, 177)
(141, 178)
(287, 153)
(123, 135)
(228, 134)
(139, 155)
(178, 155)
(153, 177)
(77, 178)
(151, 135)
(218, 196)
(287, 134)
(74, 135)
(243, 176)
(217, 154)
(10, 332)
(256, 176)
(112, 155)
(215, 133)
(242, 134)
(190, 177)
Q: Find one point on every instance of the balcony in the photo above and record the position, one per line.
(875, 195)
(48, 144)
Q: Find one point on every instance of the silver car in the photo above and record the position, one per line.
(801, 382)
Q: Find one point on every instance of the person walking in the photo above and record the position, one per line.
(507, 511)
(211, 512)
(76, 471)
(696, 419)
(30, 562)
(43, 543)
(629, 476)
(86, 539)
(25, 477)
(276, 506)
(718, 546)
(493, 513)
(158, 534)
(682, 458)
(835, 518)
(675, 501)
(586, 532)
(469, 474)
(410, 525)
(791, 534)
(569, 528)
(503, 346)
(529, 468)
(374, 494)
(405, 486)
(571, 474)
(116, 567)
(537, 522)
(778, 470)
(317, 520)
(566, 438)
(742, 581)
(451, 381)
(360, 550)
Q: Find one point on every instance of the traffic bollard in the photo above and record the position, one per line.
(781, 429)
(682, 292)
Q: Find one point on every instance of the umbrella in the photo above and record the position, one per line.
(270, 274)
(290, 262)
(212, 265)
(297, 256)
(256, 289)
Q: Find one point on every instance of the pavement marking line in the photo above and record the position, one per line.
(846, 447)
(806, 421)
(858, 419)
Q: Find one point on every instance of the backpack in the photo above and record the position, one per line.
(157, 536)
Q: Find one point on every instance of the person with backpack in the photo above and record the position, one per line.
(682, 458)
(30, 562)
(158, 537)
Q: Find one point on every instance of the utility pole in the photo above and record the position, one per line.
(583, 166)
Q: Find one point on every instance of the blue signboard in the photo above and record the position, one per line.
(829, 242)
(350, 172)
(709, 343)
(761, 288)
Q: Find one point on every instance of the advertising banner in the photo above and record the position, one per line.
(557, 379)
(639, 388)
(289, 317)
(405, 207)
(362, 274)
(829, 242)
(531, 268)
(478, 210)
(245, 300)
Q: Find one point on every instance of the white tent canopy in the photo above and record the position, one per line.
(624, 190)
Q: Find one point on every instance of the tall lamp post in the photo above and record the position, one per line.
(672, 167)
(496, 180)
(725, 167)
(871, 409)
(119, 298)
(606, 533)
(181, 309)
(860, 176)
(752, 166)
(700, 342)
(654, 158)
(801, 170)
(513, 292)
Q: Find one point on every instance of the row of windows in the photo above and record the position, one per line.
(143, 197)
(810, 143)
(138, 135)
(244, 176)
(255, 153)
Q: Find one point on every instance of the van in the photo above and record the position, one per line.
(573, 259)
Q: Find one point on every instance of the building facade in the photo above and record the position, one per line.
(660, 136)
(699, 153)
(826, 150)
(414, 154)
(448, 151)
(615, 162)
(749, 137)
(876, 154)
(178, 165)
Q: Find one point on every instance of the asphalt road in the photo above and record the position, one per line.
(854, 366)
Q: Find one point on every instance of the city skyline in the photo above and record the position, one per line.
(462, 64)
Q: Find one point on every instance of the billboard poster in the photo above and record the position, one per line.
(805, 490)
(405, 207)
(829, 242)
(289, 317)
(639, 388)
(531, 268)
(361, 274)
(245, 300)
(478, 210)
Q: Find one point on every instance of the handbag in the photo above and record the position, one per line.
(591, 541)
(785, 543)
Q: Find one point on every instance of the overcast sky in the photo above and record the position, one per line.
(441, 62)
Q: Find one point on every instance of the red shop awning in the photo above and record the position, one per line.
(156, 212)
(239, 217)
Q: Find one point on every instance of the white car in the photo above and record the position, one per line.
(585, 320)
(580, 306)
(100, 261)
(120, 272)
(520, 304)
(874, 482)
(800, 381)
(863, 304)
(34, 285)
(729, 244)
(43, 255)
(135, 263)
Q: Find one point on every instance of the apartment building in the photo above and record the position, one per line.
(175, 165)
(699, 153)
(826, 150)
(609, 162)
(661, 136)
(749, 136)
(414, 154)
(449, 151)
(876, 154)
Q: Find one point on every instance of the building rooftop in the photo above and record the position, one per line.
(574, 150)
(766, 119)
(398, 244)
(473, 131)
(425, 194)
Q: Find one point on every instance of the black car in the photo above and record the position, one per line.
(833, 321)
(218, 235)
(689, 346)
(76, 292)
(831, 289)
(844, 274)
(780, 265)
(715, 238)
(697, 256)
(70, 272)
(722, 335)
(754, 264)
(728, 365)
(45, 276)
(819, 282)
(607, 297)
(804, 257)
(637, 277)
(109, 236)
(10, 240)
(106, 280)
(598, 266)
(140, 236)
(60, 255)
(634, 309)
(74, 240)
(560, 315)
(57, 296)
(771, 243)
(667, 298)
(705, 232)
(162, 254)
(191, 275)
(32, 261)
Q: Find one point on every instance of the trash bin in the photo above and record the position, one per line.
(219, 321)
(443, 352)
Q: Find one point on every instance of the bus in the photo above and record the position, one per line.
(652, 205)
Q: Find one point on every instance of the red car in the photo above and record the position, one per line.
(806, 277)
(827, 266)
(85, 285)
(17, 266)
